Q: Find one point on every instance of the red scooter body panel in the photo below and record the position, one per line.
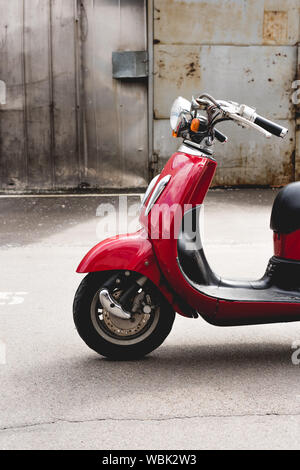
(287, 245)
(132, 252)
(239, 313)
(153, 253)
(190, 179)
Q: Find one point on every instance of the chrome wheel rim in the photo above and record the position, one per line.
(120, 331)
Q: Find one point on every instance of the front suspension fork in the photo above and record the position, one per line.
(115, 308)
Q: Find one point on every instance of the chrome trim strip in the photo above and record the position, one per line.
(149, 189)
(157, 192)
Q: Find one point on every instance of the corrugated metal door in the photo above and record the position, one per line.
(115, 111)
(66, 122)
(38, 123)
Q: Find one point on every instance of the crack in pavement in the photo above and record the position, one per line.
(167, 418)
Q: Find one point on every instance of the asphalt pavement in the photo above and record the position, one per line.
(205, 387)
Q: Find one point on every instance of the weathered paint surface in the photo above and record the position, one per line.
(235, 22)
(37, 124)
(296, 99)
(241, 50)
(257, 75)
(245, 157)
(12, 130)
(66, 122)
(115, 114)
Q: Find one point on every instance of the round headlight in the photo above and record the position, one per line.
(180, 105)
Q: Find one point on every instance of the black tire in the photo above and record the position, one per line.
(82, 315)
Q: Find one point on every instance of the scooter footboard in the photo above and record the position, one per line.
(132, 252)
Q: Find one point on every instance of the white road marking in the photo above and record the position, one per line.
(12, 298)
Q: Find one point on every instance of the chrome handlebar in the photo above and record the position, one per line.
(244, 115)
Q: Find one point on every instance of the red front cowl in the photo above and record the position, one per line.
(190, 179)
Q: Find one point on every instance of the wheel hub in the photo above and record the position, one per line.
(122, 327)
(125, 327)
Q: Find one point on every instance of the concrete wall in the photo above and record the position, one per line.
(245, 51)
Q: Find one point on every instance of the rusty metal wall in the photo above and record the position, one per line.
(55, 58)
(38, 124)
(66, 122)
(115, 149)
(241, 50)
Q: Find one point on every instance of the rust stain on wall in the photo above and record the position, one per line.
(167, 68)
(275, 27)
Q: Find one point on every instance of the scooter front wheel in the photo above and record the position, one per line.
(121, 338)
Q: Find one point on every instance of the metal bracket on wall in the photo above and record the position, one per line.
(130, 64)
(2, 92)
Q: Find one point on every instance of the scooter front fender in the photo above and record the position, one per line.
(133, 252)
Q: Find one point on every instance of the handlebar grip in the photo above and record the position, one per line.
(220, 137)
(270, 126)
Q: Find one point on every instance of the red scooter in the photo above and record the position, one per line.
(125, 307)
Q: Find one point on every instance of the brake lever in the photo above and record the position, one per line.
(247, 123)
